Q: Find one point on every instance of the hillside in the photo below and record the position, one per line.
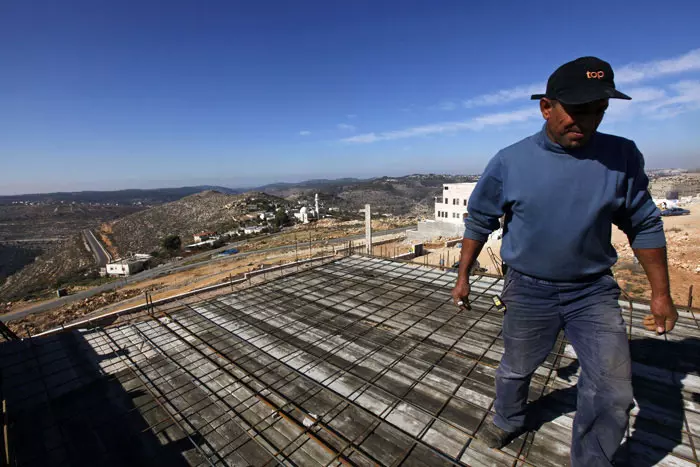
(132, 196)
(130, 225)
(22, 222)
(14, 258)
(209, 210)
(411, 195)
(41, 245)
(64, 261)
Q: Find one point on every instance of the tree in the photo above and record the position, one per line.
(281, 218)
(171, 243)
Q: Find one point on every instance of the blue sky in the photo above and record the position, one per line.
(136, 93)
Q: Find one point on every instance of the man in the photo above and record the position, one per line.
(560, 191)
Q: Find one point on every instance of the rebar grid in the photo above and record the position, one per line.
(389, 408)
(295, 368)
(195, 382)
(550, 372)
(401, 355)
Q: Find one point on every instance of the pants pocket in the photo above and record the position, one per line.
(507, 282)
(613, 354)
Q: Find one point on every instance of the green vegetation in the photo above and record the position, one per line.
(281, 219)
(171, 243)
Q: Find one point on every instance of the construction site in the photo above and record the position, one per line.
(352, 360)
(325, 355)
(317, 233)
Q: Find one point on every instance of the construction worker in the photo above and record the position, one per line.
(559, 257)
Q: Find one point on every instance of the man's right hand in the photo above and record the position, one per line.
(460, 293)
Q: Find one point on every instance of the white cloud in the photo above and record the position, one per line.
(351, 116)
(447, 105)
(631, 73)
(657, 103)
(645, 94)
(345, 127)
(687, 99)
(648, 101)
(624, 110)
(474, 124)
(636, 72)
(304, 133)
(505, 95)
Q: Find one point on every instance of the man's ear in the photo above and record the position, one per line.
(546, 108)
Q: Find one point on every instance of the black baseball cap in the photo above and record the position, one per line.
(583, 80)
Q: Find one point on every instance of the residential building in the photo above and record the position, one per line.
(127, 266)
(209, 242)
(253, 229)
(303, 215)
(202, 236)
(451, 207)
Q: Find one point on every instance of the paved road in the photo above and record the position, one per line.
(101, 255)
(179, 266)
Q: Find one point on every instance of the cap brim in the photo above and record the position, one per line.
(586, 97)
(619, 95)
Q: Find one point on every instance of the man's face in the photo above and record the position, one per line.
(572, 125)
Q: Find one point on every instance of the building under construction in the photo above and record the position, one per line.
(356, 361)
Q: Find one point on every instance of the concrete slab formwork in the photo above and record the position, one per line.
(362, 361)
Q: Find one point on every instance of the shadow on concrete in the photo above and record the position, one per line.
(658, 370)
(64, 410)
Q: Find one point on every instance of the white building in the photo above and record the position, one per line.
(452, 205)
(209, 242)
(302, 215)
(127, 266)
(253, 229)
(202, 236)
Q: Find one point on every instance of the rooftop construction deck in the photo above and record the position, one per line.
(359, 361)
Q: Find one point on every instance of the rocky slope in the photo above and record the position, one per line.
(208, 210)
(68, 259)
(411, 195)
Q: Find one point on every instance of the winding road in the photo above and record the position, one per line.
(98, 251)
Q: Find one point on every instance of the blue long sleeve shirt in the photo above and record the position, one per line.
(559, 205)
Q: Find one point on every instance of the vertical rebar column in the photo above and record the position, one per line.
(368, 228)
(5, 437)
(690, 297)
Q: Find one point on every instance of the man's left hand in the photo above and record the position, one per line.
(663, 315)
